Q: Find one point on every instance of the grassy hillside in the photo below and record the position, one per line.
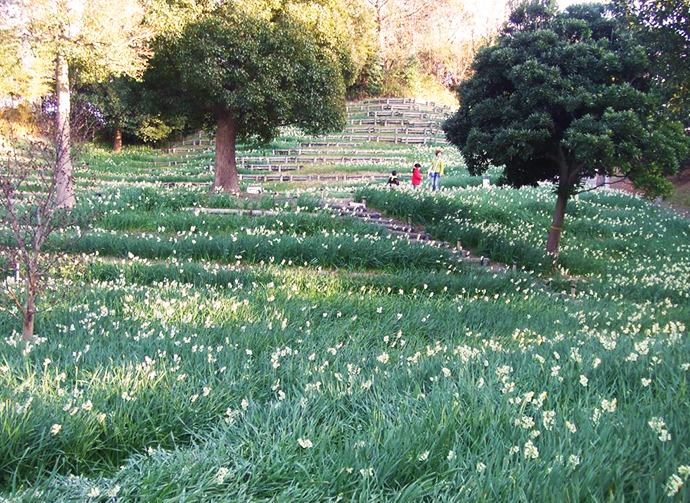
(681, 199)
(299, 354)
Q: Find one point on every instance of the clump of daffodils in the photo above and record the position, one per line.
(676, 481)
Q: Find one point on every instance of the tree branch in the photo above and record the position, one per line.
(620, 180)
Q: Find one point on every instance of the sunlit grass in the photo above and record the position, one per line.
(304, 357)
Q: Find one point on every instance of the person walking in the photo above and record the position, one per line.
(436, 171)
(416, 176)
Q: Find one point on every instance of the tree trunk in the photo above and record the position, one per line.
(65, 190)
(29, 312)
(557, 224)
(117, 140)
(226, 167)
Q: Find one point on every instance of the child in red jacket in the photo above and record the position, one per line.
(416, 176)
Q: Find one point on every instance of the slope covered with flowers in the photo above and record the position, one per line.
(187, 356)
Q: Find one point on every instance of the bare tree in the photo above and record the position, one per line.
(443, 34)
(30, 212)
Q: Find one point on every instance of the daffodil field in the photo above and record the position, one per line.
(184, 356)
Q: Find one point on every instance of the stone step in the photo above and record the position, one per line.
(411, 236)
(400, 229)
(378, 219)
(327, 144)
(368, 216)
(394, 227)
(271, 167)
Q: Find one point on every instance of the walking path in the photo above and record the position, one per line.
(682, 213)
(412, 233)
(350, 209)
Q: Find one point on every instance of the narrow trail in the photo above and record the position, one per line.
(417, 233)
(680, 212)
(345, 208)
(409, 231)
(350, 209)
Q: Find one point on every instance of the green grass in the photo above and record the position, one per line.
(302, 357)
(605, 233)
(681, 198)
(121, 335)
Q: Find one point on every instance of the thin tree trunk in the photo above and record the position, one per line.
(117, 140)
(226, 167)
(65, 190)
(557, 224)
(29, 312)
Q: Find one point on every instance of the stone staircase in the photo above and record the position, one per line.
(391, 120)
(396, 228)
(407, 231)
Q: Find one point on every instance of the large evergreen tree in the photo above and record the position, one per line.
(249, 71)
(563, 97)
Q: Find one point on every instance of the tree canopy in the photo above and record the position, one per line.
(563, 97)
(664, 29)
(51, 36)
(250, 71)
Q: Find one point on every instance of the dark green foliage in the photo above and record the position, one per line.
(122, 104)
(370, 80)
(664, 29)
(563, 97)
(265, 71)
